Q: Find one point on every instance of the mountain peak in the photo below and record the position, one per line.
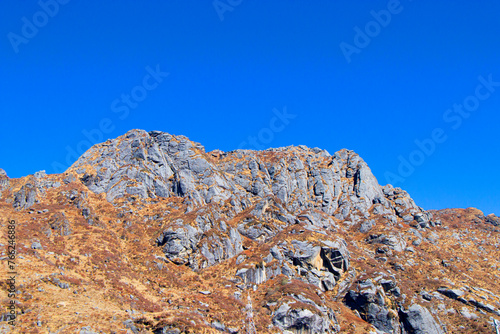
(158, 164)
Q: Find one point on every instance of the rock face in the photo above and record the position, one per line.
(285, 182)
(36, 186)
(25, 197)
(169, 238)
(150, 165)
(299, 320)
(159, 164)
(370, 300)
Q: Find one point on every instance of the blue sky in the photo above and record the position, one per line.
(412, 86)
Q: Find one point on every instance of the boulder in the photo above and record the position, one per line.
(299, 320)
(369, 300)
(451, 293)
(25, 197)
(394, 242)
(179, 243)
(418, 320)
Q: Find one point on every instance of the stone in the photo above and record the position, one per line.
(369, 300)
(418, 320)
(464, 311)
(40, 174)
(394, 242)
(493, 220)
(25, 197)
(255, 275)
(36, 245)
(218, 326)
(451, 293)
(483, 306)
(366, 226)
(299, 320)
(179, 243)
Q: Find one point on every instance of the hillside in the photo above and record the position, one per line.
(148, 233)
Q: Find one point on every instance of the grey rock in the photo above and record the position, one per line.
(5, 317)
(232, 330)
(218, 326)
(60, 225)
(40, 174)
(427, 296)
(87, 330)
(255, 275)
(159, 164)
(129, 324)
(451, 293)
(299, 320)
(369, 301)
(221, 246)
(394, 242)
(493, 220)
(166, 330)
(276, 253)
(482, 306)
(36, 245)
(179, 243)
(466, 313)
(366, 226)
(25, 197)
(69, 178)
(254, 231)
(63, 285)
(418, 320)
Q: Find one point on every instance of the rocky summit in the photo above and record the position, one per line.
(148, 233)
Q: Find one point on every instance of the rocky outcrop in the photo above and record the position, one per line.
(279, 187)
(418, 320)
(178, 242)
(149, 165)
(493, 220)
(321, 262)
(35, 186)
(374, 306)
(25, 197)
(396, 243)
(298, 320)
(375, 302)
(158, 164)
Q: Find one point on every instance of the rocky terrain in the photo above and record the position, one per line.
(148, 233)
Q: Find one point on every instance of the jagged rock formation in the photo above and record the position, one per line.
(170, 238)
(157, 164)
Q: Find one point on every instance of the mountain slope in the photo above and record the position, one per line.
(148, 232)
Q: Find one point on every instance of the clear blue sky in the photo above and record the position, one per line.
(88, 64)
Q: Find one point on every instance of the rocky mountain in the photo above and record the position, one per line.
(148, 233)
